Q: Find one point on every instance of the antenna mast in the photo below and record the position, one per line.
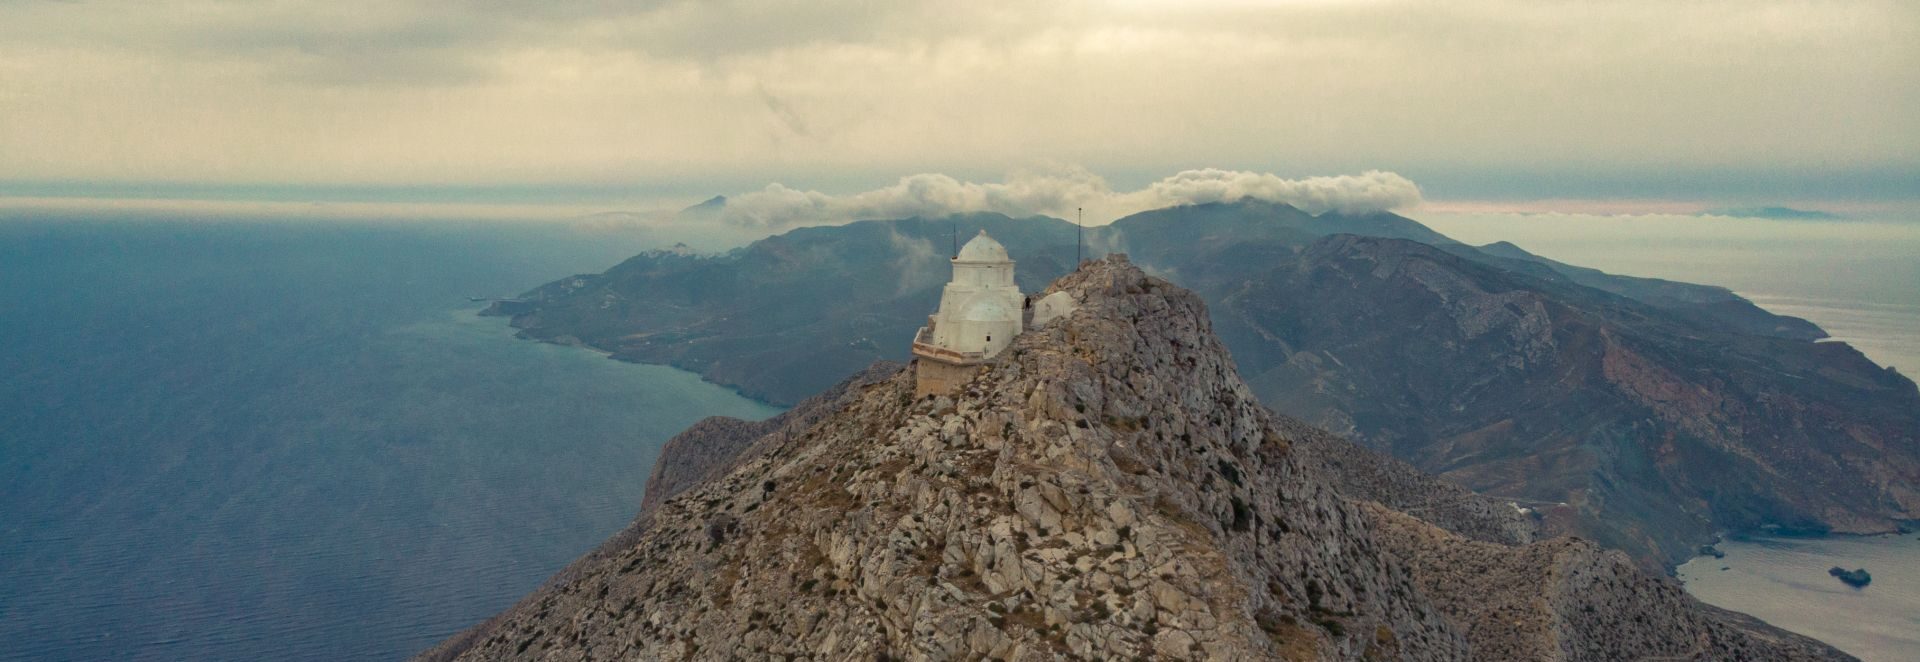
(1079, 229)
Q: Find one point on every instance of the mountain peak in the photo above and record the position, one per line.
(711, 205)
(1105, 488)
(1505, 249)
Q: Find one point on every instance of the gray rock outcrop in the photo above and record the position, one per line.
(716, 445)
(1107, 488)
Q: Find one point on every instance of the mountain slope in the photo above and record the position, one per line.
(1772, 430)
(715, 445)
(1106, 489)
(787, 316)
(1657, 430)
(1703, 303)
(784, 317)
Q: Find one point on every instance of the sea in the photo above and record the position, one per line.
(1784, 581)
(295, 440)
(1857, 277)
(279, 440)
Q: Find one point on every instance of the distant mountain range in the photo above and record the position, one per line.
(1647, 414)
(1780, 213)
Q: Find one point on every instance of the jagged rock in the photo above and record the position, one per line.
(1107, 488)
(1365, 474)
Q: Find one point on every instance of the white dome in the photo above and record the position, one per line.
(988, 310)
(982, 249)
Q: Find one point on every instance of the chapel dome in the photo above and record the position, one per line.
(982, 248)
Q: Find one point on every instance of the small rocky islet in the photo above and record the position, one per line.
(1857, 577)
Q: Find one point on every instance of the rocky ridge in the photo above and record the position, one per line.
(1647, 414)
(1622, 421)
(1106, 489)
(715, 445)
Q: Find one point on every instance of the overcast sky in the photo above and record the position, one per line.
(534, 101)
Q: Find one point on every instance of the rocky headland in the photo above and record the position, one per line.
(1106, 488)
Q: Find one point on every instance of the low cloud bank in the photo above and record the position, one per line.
(1367, 192)
(1059, 192)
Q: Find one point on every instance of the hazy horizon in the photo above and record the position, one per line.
(503, 109)
(1102, 204)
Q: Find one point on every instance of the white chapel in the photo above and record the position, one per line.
(980, 314)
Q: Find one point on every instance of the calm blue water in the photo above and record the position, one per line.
(1784, 581)
(239, 441)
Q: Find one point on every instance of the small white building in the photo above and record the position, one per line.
(980, 313)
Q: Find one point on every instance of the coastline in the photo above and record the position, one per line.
(1786, 582)
(575, 343)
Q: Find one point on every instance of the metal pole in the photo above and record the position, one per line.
(1079, 230)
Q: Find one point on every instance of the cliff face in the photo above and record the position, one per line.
(1108, 488)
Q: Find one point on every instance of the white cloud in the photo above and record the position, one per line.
(1370, 191)
(918, 265)
(1060, 191)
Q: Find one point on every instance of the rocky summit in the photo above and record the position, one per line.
(1106, 488)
